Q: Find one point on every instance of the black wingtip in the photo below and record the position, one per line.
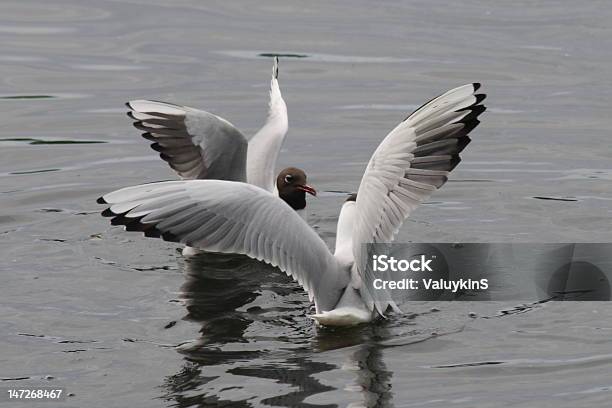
(149, 136)
(135, 224)
(157, 147)
(454, 162)
(128, 105)
(476, 86)
(121, 219)
(138, 125)
(471, 125)
(462, 143)
(152, 233)
(101, 200)
(168, 236)
(479, 98)
(475, 111)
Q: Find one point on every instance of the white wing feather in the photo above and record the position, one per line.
(265, 146)
(412, 162)
(195, 143)
(232, 217)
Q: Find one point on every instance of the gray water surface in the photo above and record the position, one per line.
(124, 321)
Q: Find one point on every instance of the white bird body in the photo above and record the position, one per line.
(344, 234)
(411, 162)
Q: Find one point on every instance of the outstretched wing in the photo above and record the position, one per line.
(266, 144)
(195, 143)
(407, 167)
(231, 217)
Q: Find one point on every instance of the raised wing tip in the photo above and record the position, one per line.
(476, 86)
(275, 67)
(101, 200)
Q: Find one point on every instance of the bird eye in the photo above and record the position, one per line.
(288, 178)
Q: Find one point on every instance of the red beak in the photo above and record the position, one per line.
(306, 188)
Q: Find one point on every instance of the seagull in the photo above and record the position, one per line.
(200, 145)
(411, 162)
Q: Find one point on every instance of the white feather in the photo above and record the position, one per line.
(232, 217)
(265, 146)
(390, 188)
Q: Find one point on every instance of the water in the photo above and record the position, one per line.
(119, 320)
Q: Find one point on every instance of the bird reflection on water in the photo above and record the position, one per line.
(254, 329)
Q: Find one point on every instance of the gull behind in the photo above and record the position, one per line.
(201, 145)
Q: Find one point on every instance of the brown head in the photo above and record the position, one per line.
(292, 187)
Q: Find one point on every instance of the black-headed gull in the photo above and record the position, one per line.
(200, 145)
(411, 163)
